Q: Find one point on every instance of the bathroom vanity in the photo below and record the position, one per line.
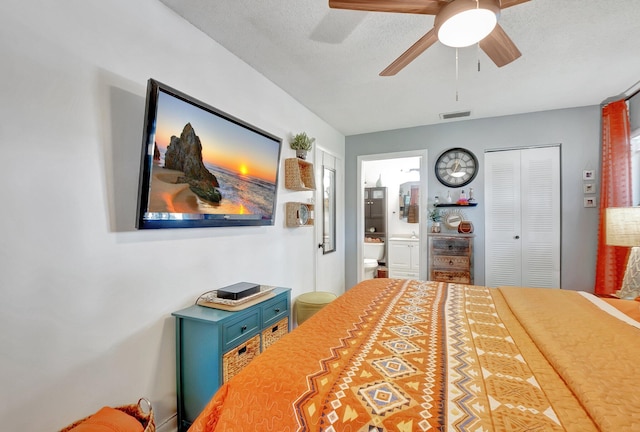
(404, 257)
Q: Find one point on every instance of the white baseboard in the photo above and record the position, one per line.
(169, 425)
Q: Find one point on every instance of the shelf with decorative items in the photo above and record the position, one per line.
(456, 205)
(298, 175)
(463, 200)
(299, 214)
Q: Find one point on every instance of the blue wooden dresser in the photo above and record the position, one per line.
(212, 345)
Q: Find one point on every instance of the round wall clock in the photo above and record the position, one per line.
(456, 167)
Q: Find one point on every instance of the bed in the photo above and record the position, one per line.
(407, 355)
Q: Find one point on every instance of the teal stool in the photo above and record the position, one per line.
(309, 303)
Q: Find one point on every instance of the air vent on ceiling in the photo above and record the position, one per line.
(453, 115)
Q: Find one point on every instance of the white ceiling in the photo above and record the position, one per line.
(574, 53)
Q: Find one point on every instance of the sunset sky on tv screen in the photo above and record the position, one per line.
(224, 143)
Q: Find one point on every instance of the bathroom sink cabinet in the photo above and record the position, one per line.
(404, 258)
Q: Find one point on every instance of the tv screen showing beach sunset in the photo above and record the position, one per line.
(206, 164)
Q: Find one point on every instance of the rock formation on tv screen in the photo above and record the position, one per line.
(185, 154)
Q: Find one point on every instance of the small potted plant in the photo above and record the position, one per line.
(435, 217)
(301, 143)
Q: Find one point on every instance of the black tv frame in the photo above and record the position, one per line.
(163, 220)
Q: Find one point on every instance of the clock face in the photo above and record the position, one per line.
(456, 167)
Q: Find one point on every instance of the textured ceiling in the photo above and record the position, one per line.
(574, 53)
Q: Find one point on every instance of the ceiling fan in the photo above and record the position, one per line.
(492, 38)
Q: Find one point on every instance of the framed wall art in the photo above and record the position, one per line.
(589, 188)
(588, 174)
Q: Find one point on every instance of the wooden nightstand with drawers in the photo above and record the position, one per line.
(451, 258)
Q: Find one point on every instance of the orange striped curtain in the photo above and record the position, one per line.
(615, 191)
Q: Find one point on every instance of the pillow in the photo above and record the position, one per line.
(109, 420)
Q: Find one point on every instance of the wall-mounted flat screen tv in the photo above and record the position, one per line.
(201, 167)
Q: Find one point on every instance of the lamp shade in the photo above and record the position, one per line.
(623, 226)
(465, 22)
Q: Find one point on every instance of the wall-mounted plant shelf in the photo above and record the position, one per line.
(299, 214)
(298, 175)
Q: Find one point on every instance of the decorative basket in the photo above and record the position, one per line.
(235, 360)
(293, 214)
(145, 417)
(299, 175)
(274, 333)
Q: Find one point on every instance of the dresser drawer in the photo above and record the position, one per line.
(274, 310)
(235, 331)
(451, 262)
(451, 276)
(403, 275)
(450, 246)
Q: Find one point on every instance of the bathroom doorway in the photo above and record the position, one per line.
(395, 174)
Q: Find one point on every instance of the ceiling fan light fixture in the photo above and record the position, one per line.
(465, 22)
(467, 28)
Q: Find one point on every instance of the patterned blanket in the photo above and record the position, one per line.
(397, 355)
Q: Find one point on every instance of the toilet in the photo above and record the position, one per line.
(373, 252)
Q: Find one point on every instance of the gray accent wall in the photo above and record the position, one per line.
(576, 130)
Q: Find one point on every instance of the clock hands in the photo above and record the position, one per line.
(455, 172)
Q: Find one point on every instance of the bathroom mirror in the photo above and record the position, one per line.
(409, 200)
(328, 210)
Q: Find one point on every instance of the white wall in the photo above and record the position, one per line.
(86, 300)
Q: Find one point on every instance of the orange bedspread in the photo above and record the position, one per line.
(398, 355)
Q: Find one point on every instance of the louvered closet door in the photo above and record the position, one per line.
(503, 256)
(522, 243)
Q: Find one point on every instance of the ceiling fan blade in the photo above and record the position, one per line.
(508, 3)
(409, 55)
(428, 7)
(499, 47)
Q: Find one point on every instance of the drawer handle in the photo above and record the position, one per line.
(242, 350)
(277, 310)
(450, 262)
(244, 327)
(450, 247)
(275, 329)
